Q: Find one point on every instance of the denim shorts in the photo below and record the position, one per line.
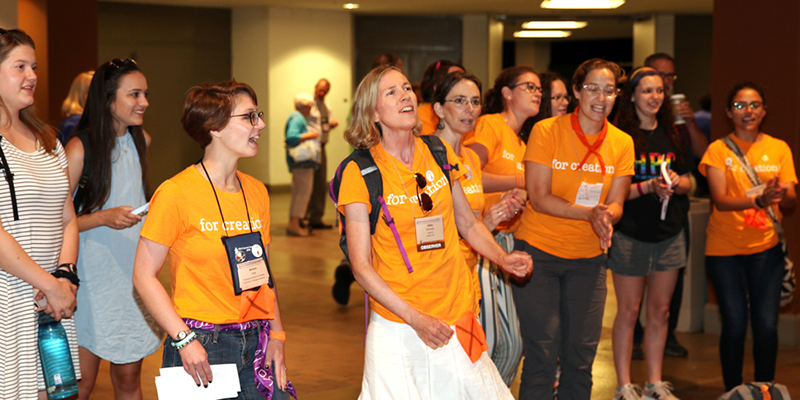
(631, 257)
(229, 347)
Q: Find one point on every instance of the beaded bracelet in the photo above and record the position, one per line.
(188, 339)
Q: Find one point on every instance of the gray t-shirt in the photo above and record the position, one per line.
(318, 119)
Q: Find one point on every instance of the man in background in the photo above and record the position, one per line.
(320, 120)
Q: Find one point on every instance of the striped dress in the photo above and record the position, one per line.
(41, 186)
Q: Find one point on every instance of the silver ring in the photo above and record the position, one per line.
(499, 213)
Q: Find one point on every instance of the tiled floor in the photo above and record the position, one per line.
(325, 341)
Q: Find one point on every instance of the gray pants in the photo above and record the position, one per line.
(316, 207)
(561, 316)
(302, 181)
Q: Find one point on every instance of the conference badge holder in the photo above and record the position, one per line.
(246, 256)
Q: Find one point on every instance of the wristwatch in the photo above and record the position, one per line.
(182, 335)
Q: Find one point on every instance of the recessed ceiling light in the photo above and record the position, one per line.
(554, 25)
(542, 34)
(583, 4)
(351, 6)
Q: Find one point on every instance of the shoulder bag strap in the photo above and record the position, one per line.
(10, 180)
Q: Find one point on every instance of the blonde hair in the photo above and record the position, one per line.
(363, 132)
(76, 98)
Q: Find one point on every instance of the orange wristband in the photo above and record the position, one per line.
(278, 335)
(520, 180)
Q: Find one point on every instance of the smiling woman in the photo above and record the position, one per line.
(110, 142)
(237, 318)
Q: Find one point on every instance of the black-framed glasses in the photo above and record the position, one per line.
(462, 101)
(594, 89)
(741, 105)
(529, 87)
(425, 200)
(673, 76)
(253, 116)
(3, 31)
(566, 97)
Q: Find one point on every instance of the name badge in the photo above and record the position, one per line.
(589, 194)
(430, 233)
(249, 267)
(756, 191)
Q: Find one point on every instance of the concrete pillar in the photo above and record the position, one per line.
(8, 18)
(655, 34)
(482, 46)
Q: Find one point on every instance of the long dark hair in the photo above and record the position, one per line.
(433, 74)
(628, 121)
(45, 134)
(98, 123)
(546, 105)
(493, 101)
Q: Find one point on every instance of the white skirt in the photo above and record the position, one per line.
(399, 366)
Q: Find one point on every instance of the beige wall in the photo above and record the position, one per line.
(655, 34)
(8, 18)
(303, 46)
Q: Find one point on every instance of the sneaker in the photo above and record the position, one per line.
(674, 349)
(628, 392)
(659, 391)
(638, 353)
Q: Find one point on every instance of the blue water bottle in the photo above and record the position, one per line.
(59, 372)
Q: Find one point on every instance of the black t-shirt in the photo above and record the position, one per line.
(641, 217)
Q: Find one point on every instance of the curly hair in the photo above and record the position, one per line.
(208, 107)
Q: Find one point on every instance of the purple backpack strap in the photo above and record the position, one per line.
(390, 222)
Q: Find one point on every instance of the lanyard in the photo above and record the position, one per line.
(249, 223)
(591, 149)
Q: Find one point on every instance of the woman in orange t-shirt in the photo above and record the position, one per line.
(206, 321)
(744, 259)
(420, 290)
(430, 79)
(578, 169)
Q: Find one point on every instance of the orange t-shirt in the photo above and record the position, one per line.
(554, 144)
(728, 233)
(504, 149)
(185, 217)
(441, 284)
(428, 118)
(472, 183)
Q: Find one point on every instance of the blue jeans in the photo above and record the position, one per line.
(229, 347)
(739, 280)
(560, 316)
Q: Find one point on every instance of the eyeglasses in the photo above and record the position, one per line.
(567, 97)
(594, 89)
(461, 102)
(741, 105)
(424, 199)
(673, 76)
(3, 31)
(253, 116)
(529, 87)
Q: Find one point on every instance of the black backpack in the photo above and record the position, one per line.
(374, 182)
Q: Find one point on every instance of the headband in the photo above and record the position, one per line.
(638, 74)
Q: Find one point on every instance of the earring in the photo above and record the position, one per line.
(440, 125)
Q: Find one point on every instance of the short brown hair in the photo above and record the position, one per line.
(363, 132)
(593, 64)
(208, 107)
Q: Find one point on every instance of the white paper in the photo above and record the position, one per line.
(175, 384)
(665, 202)
(141, 210)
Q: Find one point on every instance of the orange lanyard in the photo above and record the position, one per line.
(593, 148)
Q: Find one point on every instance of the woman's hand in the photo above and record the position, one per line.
(661, 188)
(503, 210)
(195, 363)
(275, 358)
(517, 263)
(600, 217)
(61, 300)
(773, 192)
(432, 331)
(120, 217)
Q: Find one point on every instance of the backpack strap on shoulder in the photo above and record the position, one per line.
(439, 153)
(373, 180)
